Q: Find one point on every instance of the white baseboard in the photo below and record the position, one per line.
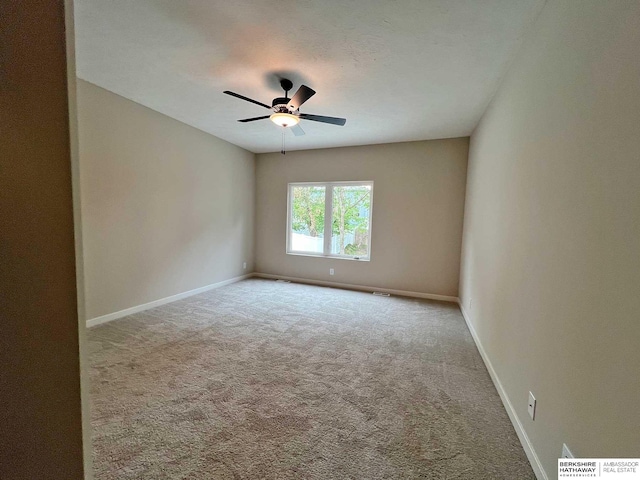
(517, 425)
(349, 286)
(156, 303)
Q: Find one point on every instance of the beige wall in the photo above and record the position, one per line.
(166, 208)
(40, 409)
(417, 213)
(551, 250)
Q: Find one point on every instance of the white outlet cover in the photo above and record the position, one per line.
(331, 271)
(244, 265)
(531, 408)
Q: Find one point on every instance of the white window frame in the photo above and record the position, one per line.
(328, 217)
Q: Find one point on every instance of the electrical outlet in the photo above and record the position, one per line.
(566, 453)
(532, 406)
(470, 302)
(331, 271)
(244, 265)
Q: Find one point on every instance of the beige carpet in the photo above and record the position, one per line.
(271, 380)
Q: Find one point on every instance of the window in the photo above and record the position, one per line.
(330, 219)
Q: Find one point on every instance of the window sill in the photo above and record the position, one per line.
(332, 257)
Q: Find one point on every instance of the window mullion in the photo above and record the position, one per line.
(328, 217)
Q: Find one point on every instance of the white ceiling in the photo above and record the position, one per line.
(398, 70)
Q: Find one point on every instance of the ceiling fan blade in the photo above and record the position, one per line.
(245, 120)
(242, 97)
(297, 130)
(320, 118)
(303, 94)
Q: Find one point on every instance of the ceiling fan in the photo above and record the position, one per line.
(286, 110)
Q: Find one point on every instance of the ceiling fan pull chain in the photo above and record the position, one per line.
(282, 151)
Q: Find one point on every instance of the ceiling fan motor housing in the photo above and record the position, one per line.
(280, 101)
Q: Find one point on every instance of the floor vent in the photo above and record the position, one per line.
(283, 281)
(382, 294)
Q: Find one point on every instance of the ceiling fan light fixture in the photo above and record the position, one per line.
(284, 119)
